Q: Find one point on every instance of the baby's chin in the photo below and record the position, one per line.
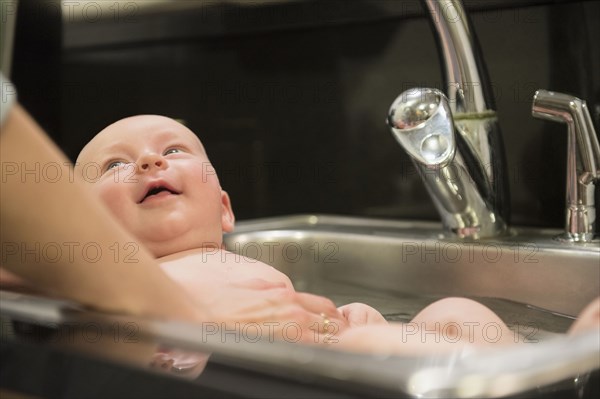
(177, 233)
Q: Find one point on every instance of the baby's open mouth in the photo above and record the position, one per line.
(158, 190)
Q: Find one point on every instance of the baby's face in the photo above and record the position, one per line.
(154, 175)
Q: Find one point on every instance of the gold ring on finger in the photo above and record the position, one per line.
(326, 322)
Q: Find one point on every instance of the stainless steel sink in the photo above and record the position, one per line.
(399, 267)
(534, 283)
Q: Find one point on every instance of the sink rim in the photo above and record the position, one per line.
(543, 237)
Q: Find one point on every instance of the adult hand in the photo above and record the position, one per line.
(275, 313)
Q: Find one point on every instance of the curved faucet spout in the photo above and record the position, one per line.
(472, 103)
(467, 82)
(478, 205)
(422, 123)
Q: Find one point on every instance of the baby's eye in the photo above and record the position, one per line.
(114, 164)
(172, 151)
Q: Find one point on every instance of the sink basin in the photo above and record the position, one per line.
(534, 283)
(399, 267)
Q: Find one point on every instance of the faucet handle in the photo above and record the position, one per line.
(583, 159)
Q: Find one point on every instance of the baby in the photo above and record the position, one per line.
(155, 176)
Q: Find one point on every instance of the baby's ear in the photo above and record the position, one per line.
(227, 216)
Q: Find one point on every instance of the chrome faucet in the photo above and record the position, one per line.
(455, 141)
(583, 160)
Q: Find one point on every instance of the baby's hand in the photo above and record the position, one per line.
(359, 314)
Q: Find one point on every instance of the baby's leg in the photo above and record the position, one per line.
(447, 325)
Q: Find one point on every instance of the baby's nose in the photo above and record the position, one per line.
(150, 161)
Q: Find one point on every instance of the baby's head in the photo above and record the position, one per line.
(154, 175)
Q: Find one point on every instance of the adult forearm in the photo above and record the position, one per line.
(61, 239)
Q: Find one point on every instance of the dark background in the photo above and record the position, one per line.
(290, 98)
